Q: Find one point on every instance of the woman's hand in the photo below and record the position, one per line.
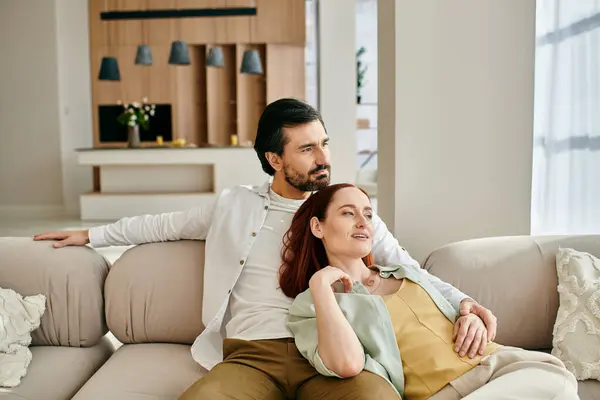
(328, 276)
(470, 335)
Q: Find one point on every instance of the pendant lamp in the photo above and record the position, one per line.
(180, 53)
(144, 55)
(109, 70)
(251, 63)
(215, 57)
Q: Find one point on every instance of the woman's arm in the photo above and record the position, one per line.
(338, 346)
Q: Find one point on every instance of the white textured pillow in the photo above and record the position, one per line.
(18, 318)
(576, 333)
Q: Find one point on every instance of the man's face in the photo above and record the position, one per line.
(306, 157)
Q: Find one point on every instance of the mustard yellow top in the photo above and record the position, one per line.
(424, 337)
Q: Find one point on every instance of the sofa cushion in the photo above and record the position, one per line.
(589, 390)
(153, 371)
(154, 293)
(57, 372)
(515, 277)
(577, 329)
(71, 278)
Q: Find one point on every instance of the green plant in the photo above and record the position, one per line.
(137, 114)
(361, 70)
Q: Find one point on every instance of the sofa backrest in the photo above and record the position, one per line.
(153, 293)
(71, 278)
(515, 277)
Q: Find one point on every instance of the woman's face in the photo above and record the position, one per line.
(347, 231)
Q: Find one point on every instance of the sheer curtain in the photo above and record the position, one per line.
(566, 158)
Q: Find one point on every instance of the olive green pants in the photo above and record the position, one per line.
(275, 370)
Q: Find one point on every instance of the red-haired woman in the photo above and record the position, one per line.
(388, 320)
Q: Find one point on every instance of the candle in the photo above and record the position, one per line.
(234, 140)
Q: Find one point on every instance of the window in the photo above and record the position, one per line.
(566, 159)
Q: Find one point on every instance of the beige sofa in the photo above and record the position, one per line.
(152, 301)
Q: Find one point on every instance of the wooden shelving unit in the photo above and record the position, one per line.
(208, 104)
(221, 109)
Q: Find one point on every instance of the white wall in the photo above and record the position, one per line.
(45, 110)
(30, 155)
(75, 96)
(456, 117)
(337, 80)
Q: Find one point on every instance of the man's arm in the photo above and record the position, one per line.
(189, 224)
(386, 250)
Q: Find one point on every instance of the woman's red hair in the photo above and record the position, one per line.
(302, 253)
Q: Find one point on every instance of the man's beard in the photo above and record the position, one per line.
(307, 182)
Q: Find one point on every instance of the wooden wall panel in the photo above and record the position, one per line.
(289, 81)
(239, 29)
(161, 81)
(219, 24)
(134, 78)
(162, 31)
(189, 113)
(280, 21)
(217, 30)
(221, 99)
(98, 29)
(277, 21)
(127, 32)
(251, 97)
(208, 104)
(197, 30)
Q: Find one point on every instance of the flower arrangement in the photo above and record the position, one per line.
(137, 114)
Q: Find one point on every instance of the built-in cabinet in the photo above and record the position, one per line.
(207, 104)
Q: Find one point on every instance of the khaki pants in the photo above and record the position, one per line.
(274, 370)
(512, 373)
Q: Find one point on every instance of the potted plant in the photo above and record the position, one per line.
(361, 70)
(133, 116)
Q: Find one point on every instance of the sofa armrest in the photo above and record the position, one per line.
(513, 276)
(71, 278)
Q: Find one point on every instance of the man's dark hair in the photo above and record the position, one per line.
(282, 113)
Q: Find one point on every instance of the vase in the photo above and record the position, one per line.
(133, 136)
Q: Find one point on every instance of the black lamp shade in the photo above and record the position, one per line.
(144, 55)
(109, 70)
(251, 63)
(215, 57)
(180, 54)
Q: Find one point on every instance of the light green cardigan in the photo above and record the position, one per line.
(370, 320)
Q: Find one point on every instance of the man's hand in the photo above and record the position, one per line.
(469, 306)
(66, 238)
(469, 336)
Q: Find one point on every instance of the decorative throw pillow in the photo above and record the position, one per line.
(19, 316)
(576, 338)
